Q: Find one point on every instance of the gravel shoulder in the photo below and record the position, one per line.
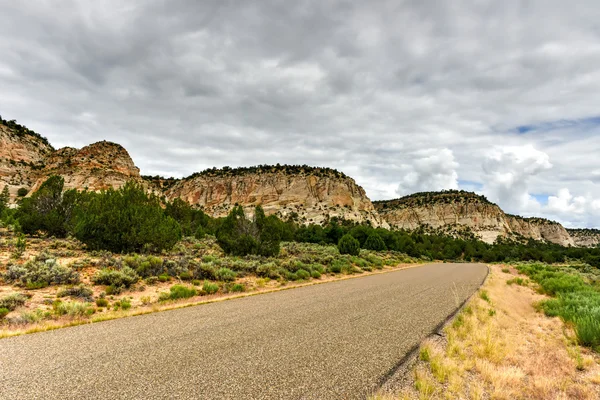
(335, 340)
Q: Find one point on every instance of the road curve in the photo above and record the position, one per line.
(331, 341)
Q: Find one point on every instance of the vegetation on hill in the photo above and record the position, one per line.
(265, 169)
(584, 231)
(23, 131)
(431, 198)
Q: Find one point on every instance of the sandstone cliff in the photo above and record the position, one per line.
(585, 237)
(460, 209)
(310, 195)
(95, 167)
(22, 156)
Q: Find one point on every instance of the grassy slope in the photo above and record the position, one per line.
(500, 347)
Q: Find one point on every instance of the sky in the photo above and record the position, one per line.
(497, 97)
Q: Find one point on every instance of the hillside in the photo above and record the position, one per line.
(303, 193)
(307, 194)
(23, 155)
(456, 209)
(585, 237)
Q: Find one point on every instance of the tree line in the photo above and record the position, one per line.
(130, 220)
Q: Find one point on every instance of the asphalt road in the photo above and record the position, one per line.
(332, 341)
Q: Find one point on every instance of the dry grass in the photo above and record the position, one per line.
(499, 347)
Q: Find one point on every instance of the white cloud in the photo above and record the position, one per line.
(368, 88)
(428, 170)
(507, 173)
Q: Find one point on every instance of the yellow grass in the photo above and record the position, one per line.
(499, 347)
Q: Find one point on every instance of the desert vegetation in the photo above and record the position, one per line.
(501, 346)
(123, 249)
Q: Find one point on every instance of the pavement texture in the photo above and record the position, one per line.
(336, 340)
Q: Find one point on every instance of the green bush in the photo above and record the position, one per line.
(210, 288)
(576, 301)
(349, 245)
(3, 312)
(374, 242)
(302, 274)
(125, 220)
(315, 274)
(225, 275)
(49, 209)
(144, 266)
(181, 292)
(41, 272)
(81, 292)
(73, 309)
(205, 270)
(238, 235)
(22, 192)
(101, 302)
(12, 301)
(124, 277)
(238, 287)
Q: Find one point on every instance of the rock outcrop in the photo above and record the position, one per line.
(22, 156)
(309, 195)
(95, 167)
(585, 237)
(459, 210)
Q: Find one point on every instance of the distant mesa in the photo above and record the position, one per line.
(301, 192)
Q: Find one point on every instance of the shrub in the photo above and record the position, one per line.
(144, 266)
(225, 274)
(268, 270)
(164, 278)
(72, 308)
(101, 302)
(484, 295)
(210, 288)
(12, 301)
(3, 312)
(238, 235)
(81, 292)
(349, 245)
(374, 242)
(22, 192)
(238, 287)
(117, 278)
(302, 274)
(125, 220)
(315, 274)
(124, 304)
(181, 292)
(41, 273)
(205, 271)
(185, 276)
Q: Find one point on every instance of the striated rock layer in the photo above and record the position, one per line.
(95, 167)
(440, 210)
(22, 156)
(585, 237)
(310, 195)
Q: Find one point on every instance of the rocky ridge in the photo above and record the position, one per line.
(305, 194)
(585, 237)
(454, 208)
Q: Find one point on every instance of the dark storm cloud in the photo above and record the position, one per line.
(402, 95)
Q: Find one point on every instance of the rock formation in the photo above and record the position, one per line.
(460, 209)
(585, 237)
(310, 195)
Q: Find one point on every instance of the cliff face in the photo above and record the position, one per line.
(22, 156)
(441, 210)
(585, 237)
(312, 195)
(95, 167)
